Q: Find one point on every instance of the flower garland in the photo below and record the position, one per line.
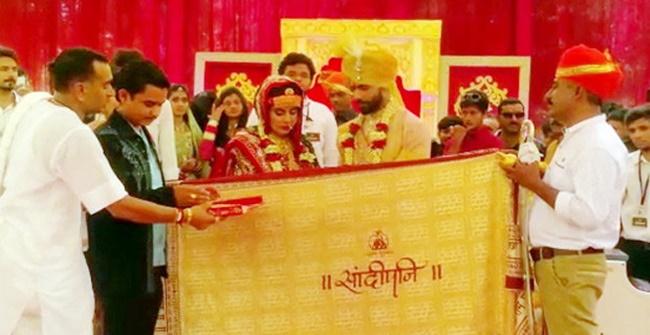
(377, 138)
(273, 155)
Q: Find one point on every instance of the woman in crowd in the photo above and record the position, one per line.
(229, 114)
(277, 143)
(201, 106)
(187, 133)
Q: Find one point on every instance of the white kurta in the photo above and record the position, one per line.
(55, 164)
(162, 134)
(4, 113)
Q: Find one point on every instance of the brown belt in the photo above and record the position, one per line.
(538, 254)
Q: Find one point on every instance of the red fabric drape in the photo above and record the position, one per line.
(171, 31)
(615, 25)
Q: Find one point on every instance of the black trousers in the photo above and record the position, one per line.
(133, 315)
(638, 266)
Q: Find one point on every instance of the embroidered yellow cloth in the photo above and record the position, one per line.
(404, 249)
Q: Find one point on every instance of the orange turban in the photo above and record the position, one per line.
(590, 68)
(337, 82)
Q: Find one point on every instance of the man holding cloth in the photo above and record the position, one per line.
(576, 211)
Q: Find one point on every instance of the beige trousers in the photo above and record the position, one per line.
(570, 287)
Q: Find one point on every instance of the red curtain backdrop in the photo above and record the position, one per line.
(171, 31)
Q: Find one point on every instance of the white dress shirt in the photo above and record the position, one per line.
(632, 200)
(588, 170)
(55, 164)
(4, 113)
(162, 133)
(319, 127)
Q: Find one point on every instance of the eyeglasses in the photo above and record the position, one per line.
(513, 115)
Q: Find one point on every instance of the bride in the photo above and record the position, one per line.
(277, 143)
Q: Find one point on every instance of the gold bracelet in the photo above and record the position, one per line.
(188, 215)
(179, 216)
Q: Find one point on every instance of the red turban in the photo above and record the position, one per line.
(590, 68)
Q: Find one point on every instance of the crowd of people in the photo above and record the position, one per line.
(140, 133)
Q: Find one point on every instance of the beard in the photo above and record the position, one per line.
(374, 105)
(8, 85)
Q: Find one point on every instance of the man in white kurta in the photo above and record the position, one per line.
(55, 165)
(51, 164)
(8, 77)
(6, 111)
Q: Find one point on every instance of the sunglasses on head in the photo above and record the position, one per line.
(472, 96)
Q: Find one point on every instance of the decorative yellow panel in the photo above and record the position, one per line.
(485, 84)
(244, 70)
(241, 81)
(415, 43)
(498, 76)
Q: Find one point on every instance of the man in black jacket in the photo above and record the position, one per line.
(128, 260)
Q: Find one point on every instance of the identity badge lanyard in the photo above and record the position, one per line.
(641, 220)
(311, 135)
(308, 119)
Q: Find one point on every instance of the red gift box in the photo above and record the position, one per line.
(235, 207)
